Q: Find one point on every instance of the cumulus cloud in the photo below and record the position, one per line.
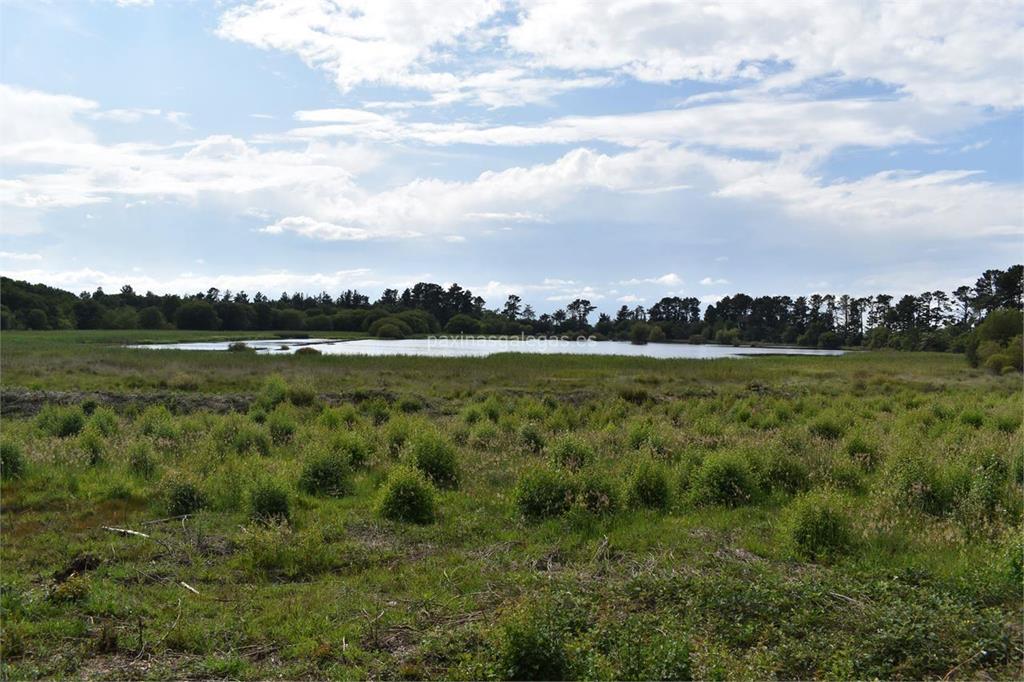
(671, 280)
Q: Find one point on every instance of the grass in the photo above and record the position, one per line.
(589, 517)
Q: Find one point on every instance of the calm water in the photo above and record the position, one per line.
(453, 348)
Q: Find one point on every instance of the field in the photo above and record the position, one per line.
(505, 517)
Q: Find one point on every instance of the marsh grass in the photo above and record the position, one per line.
(772, 517)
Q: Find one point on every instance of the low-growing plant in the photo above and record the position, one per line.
(407, 496)
(827, 427)
(595, 493)
(818, 527)
(104, 421)
(912, 481)
(269, 502)
(723, 478)
(273, 392)
(532, 437)
(301, 394)
(326, 474)
(182, 497)
(250, 438)
(140, 459)
(352, 446)
(784, 473)
(533, 645)
(648, 486)
(60, 421)
(91, 442)
(432, 454)
(158, 422)
(12, 461)
(571, 452)
(543, 492)
(282, 425)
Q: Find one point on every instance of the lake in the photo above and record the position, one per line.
(456, 348)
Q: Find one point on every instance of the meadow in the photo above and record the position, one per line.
(168, 514)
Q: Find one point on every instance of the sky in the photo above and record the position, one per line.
(619, 151)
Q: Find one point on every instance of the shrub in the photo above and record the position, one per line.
(92, 444)
(282, 426)
(914, 482)
(12, 461)
(182, 497)
(407, 496)
(158, 422)
(531, 437)
(432, 454)
(462, 324)
(972, 418)
(240, 347)
(307, 351)
(104, 421)
(648, 486)
(723, 478)
(140, 460)
(409, 404)
(352, 447)
(250, 438)
(301, 395)
(639, 333)
(273, 392)
(595, 493)
(269, 502)
(532, 646)
(571, 452)
(818, 527)
(326, 474)
(542, 493)
(785, 473)
(862, 451)
(61, 422)
(827, 427)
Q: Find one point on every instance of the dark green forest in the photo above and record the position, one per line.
(930, 321)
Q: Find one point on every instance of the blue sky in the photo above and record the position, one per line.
(618, 151)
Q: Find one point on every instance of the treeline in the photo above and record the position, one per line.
(932, 320)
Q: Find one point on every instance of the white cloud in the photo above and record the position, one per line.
(12, 255)
(316, 229)
(934, 52)
(671, 279)
(630, 298)
(709, 281)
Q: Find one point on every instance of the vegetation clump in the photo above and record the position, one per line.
(182, 497)
(12, 461)
(407, 496)
(326, 474)
(269, 502)
(818, 527)
(60, 422)
(432, 454)
(571, 452)
(723, 479)
(541, 493)
(648, 486)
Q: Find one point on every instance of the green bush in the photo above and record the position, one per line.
(571, 452)
(541, 493)
(352, 446)
(723, 478)
(912, 481)
(249, 438)
(61, 422)
(269, 502)
(282, 426)
(862, 451)
(818, 527)
(273, 392)
(12, 461)
(827, 427)
(301, 395)
(158, 422)
(104, 421)
(648, 486)
(595, 493)
(91, 442)
(432, 454)
(785, 473)
(182, 497)
(532, 646)
(326, 474)
(532, 437)
(140, 460)
(972, 418)
(407, 496)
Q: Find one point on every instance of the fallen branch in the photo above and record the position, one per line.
(189, 587)
(125, 531)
